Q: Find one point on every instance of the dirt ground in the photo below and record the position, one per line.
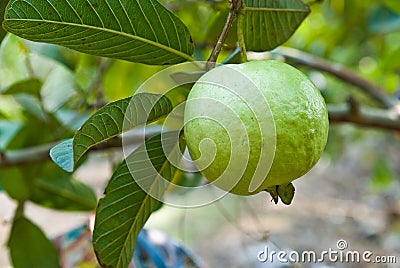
(332, 205)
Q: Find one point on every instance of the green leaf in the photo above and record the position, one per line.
(186, 77)
(64, 194)
(14, 184)
(8, 130)
(109, 121)
(382, 176)
(393, 4)
(13, 58)
(119, 75)
(71, 119)
(29, 86)
(383, 20)
(58, 87)
(124, 210)
(187, 180)
(31, 105)
(29, 247)
(44, 183)
(33, 132)
(196, 16)
(286, 193)
(63, 155)
(58, 54)
(3, 5)
(389, 64)
(139, 30)
(55, 188)
(268, 24)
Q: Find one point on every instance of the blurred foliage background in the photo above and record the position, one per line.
(46, 92)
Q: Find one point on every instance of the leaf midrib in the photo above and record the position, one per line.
(135, 37)
(145, 199)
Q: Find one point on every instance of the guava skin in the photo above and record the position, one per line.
(294, 136)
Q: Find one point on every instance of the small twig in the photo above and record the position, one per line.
(354, 106)
(235, 6)
(240, 33)
(19, 212)
(302, 58)
(97, 83)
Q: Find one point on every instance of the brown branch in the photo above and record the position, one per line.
(235, 6)
(366, 117)
(41, 152)
(25, 156)
(299, 57)
(354, 106)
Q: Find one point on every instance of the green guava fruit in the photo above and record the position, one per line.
(255, 127)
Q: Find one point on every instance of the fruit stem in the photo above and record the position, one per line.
(273, 191)
(284, 192)
(234, 7)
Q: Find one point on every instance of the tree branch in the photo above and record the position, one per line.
(366, 117)
(234, 7)
(298, 57)
(41, 152)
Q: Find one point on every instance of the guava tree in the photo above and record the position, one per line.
(69, 92)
